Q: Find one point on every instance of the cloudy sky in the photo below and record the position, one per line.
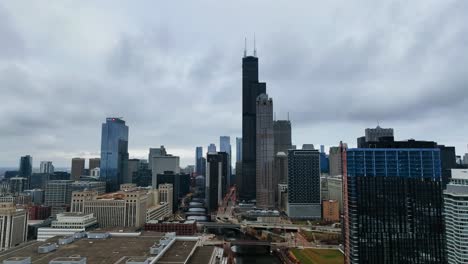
(172, 69)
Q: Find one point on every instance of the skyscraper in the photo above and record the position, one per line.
(374, 134)
(265, 190)
(456, 213)
(199, 167)
(114, 152)
(155, 152)
(94, 163)
(393, 206)
(46, 167)
(25, 168)
(251, 89)
(162, 162)
(304, 199)
(77, 168)
(133, 167)
(214, 180)
(225, 146)
(334, 161)
(282, 135)
(212, 148)
(238, 149)
(14, 227)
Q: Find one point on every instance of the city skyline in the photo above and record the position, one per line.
(416, 85)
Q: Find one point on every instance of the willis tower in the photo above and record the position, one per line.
(251, 89)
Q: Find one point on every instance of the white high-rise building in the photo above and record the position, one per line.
(456, 217)
(47, 167)
(13, 226)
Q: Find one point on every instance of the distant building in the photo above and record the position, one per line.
(251, 89)
(304, 199)
(238, 149)
(214, 180)
(456, 213)
(77, 168)
(393, 201)
(96, 172)
(374, 134)
(94, 163)
(212, 148)
(335, 190)
(265, 181)
(331, 211)
(58, 195)
(14, 226)
(334, 160)
(133, 166)
(39, 180)
(39, 212)
(37, 196)
(143, 176)
(98, 186)
(46, 167)
(25, 168)
(166, 193)
(324, 164)
(164, 163)
(18, 184)
(180, 183)
(282, 136)
(225, 146)
(200, 165)
(114, 152)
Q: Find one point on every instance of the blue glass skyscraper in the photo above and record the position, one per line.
(200, 162)
(114, 153)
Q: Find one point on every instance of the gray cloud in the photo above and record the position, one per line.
(175, 77)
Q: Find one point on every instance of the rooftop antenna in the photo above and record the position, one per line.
(255, 47)
(288, 116)
(245, 47)
(274, 116)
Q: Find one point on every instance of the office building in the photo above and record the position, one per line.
(238, 149)
(393, 206)
(281, 167)
(331, 211)
(13, 226)
(98, 186)
(324, 166)
(95, 173)
(456, 215)
(37, 195)
(265, 183)
(155, 152)
(200, 161)
(114, 152)
(77, 168)
(334, 160)
(251, 89)
(143, 177)
(39, 212)
(214, 180)
(94, 163)
(304, 199)
(373, 135)
(225, 146)
(212, 148)
(17, 185)
(118, 209)
(162, 164)
(282, 136)
(182, 228)
(133, 167)
(166, 193)
(25, 168)
(58, 195)
(67, 224)
(335, 190)
(180, 183)
(46, 167)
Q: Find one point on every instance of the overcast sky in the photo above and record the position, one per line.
(172, 70)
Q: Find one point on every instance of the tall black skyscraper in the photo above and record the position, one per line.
(251, 89)
(25, 168)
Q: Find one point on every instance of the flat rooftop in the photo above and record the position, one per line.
(177, 253)
(201, 255)
(106, 251)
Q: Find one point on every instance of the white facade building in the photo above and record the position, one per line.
(13, 226)
(67, 224)
(456, 217)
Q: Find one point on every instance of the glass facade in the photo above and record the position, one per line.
(394, 206)
(114, 153)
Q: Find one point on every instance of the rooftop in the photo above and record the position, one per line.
(115, 248)
(178, 252)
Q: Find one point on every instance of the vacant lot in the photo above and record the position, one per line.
(318, 256)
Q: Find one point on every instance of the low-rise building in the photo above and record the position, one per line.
(67, 224)
(330, 211)
(184, 228)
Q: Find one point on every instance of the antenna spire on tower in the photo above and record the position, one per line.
(255, 47)
(245, 47)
